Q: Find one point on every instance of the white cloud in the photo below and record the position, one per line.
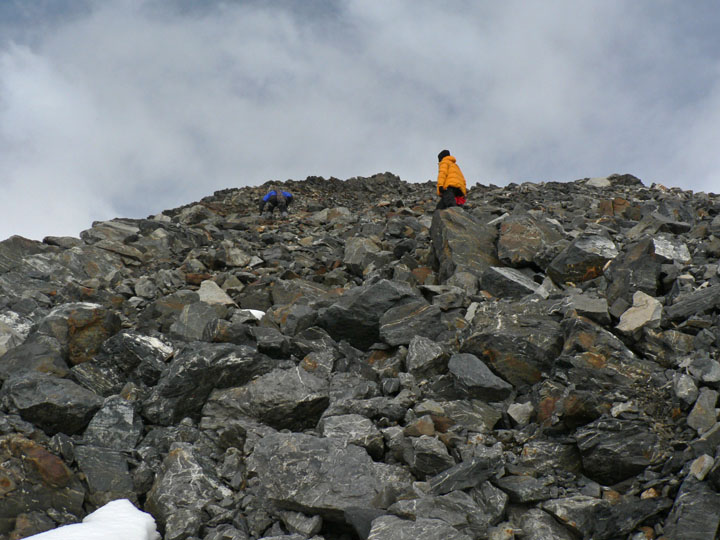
(128, 107)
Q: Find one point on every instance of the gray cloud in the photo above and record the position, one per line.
(125, 108)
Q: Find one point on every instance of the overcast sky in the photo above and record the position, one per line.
(124, 108)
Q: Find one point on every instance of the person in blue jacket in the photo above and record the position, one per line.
(275, 198)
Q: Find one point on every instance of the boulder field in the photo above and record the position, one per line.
(541, 364)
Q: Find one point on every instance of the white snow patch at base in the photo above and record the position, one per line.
(117, 520)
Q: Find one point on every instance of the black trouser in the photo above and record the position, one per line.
(447, 197)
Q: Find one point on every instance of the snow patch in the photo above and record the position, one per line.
(117, 520)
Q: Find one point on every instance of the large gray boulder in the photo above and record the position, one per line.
(195, 371)
(284, 398)
(182, 489)
(613, 449)
(55, 405)
(461, 244)
(583, 259)
(355, 317)
(400, 324)
(518, 342)
(474, 379)
(394, 528)
(293, 477)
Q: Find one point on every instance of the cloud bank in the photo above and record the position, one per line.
(123, 108)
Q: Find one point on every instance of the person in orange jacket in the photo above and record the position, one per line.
(450, 182)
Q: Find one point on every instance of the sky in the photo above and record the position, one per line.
(125, 108)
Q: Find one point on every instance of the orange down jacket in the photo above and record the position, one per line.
(450, 175)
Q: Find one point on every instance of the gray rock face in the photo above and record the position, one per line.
(539, 525)
(475, 380)
(507, 283)
(399, 325)
(517, 343)
(458, 509)
(703, 415)
(193, 374)
(115, 426)
(183, 487)
(394, 528)
(55, 405)
(107, 474)
(293, 478)
(613, 450)
(583, 259)
(354, 429)
(284, 398)
(461, 244)
(425, 357)
(694, 514)
(523, 238)
(356, 316)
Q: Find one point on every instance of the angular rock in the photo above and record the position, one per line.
(425, 357)
(355, 317)
(194, 372)
(518, 342)
(469, 473)
(211, 293)
(694, 514)
(685, 388)
(106, 473)
(283, 398)
(400, 324)
(394, 528)
(613, 450)
(461, 244)
(359, 253)
(354, 429)
(703, 415)
(192, 321)
(427, 456)
(591, 307)
(33, 479)
(38, 353)
(181, 490)
(539, 525)
(507, 283)
(81, 328)
(583, 259)
(524, 489)
(522, 238)
(115, 426)
(457, 509)
(636, 268)
(646, 311)
(694, 303)
(549, 457)
(55, 405)
(474, 379)
(293, 477)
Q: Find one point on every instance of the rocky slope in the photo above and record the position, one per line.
(542, 364)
